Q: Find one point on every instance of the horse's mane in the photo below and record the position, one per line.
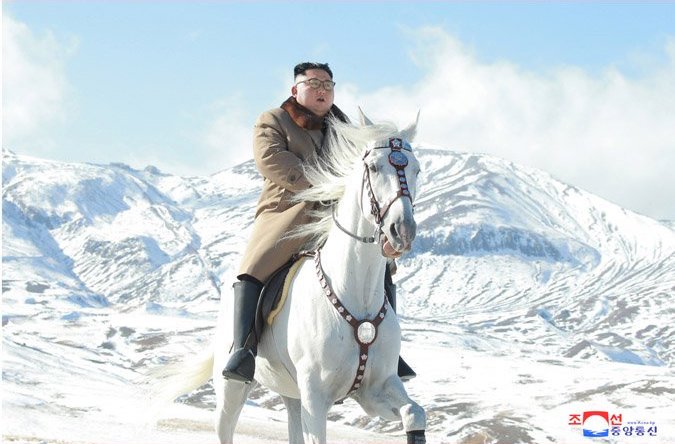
(341, 154)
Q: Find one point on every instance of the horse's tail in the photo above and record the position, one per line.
(168, 382)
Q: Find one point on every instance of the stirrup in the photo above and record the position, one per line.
(241, 366)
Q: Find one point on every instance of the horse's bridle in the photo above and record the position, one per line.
(398, 160)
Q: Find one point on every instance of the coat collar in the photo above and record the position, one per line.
(306, 119)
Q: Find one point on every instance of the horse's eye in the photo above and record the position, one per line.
(373, 168)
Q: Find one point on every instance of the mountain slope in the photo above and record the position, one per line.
(542, 257)
(108, 270)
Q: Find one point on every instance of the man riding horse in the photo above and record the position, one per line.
(284, 139)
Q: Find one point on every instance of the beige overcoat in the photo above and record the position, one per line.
(280, 148)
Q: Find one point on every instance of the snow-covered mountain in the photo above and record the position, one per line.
(524, 299)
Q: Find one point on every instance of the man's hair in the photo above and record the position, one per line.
(301, 68)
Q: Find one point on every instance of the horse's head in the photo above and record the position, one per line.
(389, 188)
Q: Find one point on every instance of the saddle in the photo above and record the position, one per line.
(274, 292)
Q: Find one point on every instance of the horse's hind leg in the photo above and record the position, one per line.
(294, 409)
(392, 402)
(230, 398)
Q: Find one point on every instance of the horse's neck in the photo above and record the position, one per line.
(354, 269)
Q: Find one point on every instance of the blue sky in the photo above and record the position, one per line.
(579, 89)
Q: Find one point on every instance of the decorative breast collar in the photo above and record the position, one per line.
(365, 331)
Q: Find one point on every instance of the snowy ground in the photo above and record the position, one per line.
(471, 396)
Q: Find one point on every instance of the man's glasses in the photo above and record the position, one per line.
(316, 84)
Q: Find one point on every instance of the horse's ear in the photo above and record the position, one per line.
(365, 121)
(409, 132)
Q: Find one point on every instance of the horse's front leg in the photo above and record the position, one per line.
(294, 408)
(391, 402)
(314, 412)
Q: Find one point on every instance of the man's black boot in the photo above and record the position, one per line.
(405, 372)
(241, 363)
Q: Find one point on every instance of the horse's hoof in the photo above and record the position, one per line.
(416, 437)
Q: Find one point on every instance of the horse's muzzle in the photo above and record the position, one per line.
(401, 235)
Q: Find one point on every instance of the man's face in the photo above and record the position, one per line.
(318, 100)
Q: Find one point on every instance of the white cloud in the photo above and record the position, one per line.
(221, 138)
(34, 83)
(607, 132)
(228, 136)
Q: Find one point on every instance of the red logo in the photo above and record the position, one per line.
(615, 420)
(575, 419)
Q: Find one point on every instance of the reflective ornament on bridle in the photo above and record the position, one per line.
(399, 161)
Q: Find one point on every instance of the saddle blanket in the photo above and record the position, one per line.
(275, 292)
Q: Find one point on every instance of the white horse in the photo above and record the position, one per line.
(335, 335)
